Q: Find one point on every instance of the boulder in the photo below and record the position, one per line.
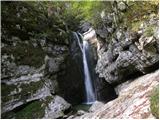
(96, 105)
(56, 108)
(133, 101)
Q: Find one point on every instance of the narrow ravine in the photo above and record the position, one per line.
(85, 59)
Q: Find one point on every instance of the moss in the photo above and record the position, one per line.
(135, 25)
(149, 31)
(31, 88)
(7, 115)
(31, 111)
(48, 99)
(6, 99)
(27, 91)
(7, 89)
(154, 99)
(25, 54)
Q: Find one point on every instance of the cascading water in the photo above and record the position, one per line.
(90, 95)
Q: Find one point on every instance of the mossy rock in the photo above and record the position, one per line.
(25, 54)
(6, 90)
(154, 99)
(31, 111)
(26, 92)
(29, 89)
(32, 87)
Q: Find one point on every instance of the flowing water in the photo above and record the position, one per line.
(90, 96)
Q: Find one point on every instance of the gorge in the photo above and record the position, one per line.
(79, 59)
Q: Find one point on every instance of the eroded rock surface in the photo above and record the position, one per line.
(129, 53)
(133, 101)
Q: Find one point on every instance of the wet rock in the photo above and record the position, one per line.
(80, 112)
(71, 117)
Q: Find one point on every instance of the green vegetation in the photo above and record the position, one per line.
(7, 89)
(138, 12)
(149, 31)
(31, 88)
(154, 99)
(27, 91)
(90, 10)
(25, 54)
(31, 111)
(135, 25)
(51, 21)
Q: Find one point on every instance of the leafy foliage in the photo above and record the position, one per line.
(155, 102)
(47, 20)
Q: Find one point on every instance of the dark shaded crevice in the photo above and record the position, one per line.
(71, 86)
(152, 68)
(104, 91)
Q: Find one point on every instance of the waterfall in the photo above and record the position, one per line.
(90, 96)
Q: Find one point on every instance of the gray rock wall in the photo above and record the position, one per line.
(32, 72)
(124, 53)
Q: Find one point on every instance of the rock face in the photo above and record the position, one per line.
(35, 71)
(24, 82)
(126, 53)
(133, 101)
(27, 85)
